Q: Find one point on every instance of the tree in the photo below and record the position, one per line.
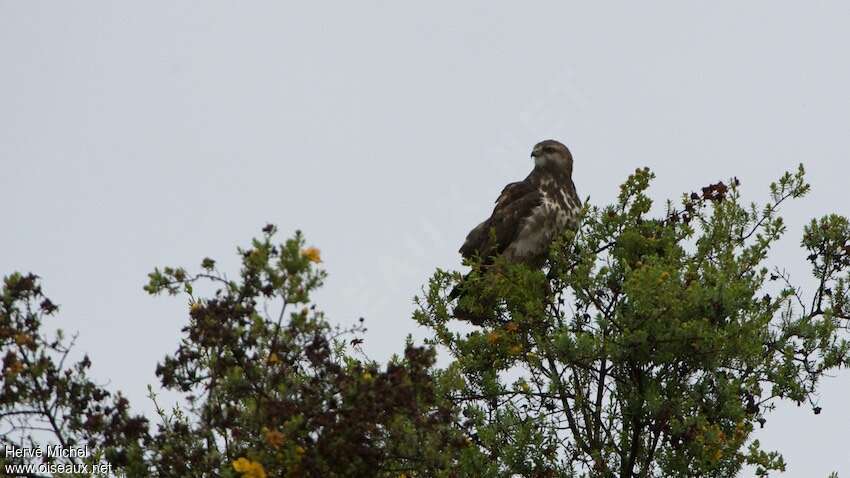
(265, 394)
(45, 399)
(279, 392)
(651, 346)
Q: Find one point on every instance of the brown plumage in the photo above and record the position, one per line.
(529, 214)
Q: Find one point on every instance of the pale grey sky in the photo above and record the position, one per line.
(136, 134)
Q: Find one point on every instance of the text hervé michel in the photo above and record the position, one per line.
(55, 451)
(73, 461)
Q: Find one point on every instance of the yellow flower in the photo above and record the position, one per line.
(494, 337)
(275, 438)
(23, 339)
(14, 368)
(312, 254)
(512, 327)
(249, 469)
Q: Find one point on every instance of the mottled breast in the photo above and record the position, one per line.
(557, 212)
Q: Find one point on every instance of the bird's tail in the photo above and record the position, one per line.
(461, 311)
(457, 290)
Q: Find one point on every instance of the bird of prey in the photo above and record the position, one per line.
(529, 214)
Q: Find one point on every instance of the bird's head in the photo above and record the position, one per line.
(552, 155)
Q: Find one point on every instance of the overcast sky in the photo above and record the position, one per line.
(137, 134)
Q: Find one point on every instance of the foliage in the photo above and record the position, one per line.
(264, 395)
(44, 399)
(654, 345)
(278, 394)
(650, 345)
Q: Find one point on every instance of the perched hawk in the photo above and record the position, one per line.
(529, 214)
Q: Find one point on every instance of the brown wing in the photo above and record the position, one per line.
(514, 205)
